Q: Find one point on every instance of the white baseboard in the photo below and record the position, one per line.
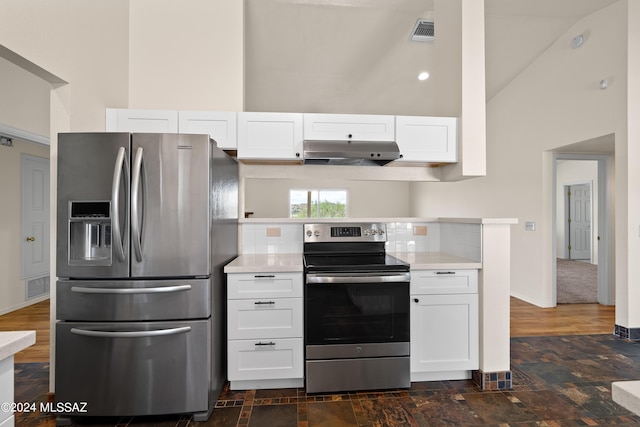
(528, 300)
(24, 304)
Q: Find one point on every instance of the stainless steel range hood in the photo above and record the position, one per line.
(350, 153)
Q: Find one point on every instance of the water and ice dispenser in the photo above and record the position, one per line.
(90, 233)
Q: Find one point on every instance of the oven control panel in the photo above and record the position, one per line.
(352, 232)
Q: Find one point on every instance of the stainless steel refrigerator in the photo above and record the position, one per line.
(145, 224)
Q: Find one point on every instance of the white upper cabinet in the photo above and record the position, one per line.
(125, 120)
(356, 127)
(427, 139)
(221, 126)
(270, 136)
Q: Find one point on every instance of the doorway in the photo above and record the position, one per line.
(583, 227)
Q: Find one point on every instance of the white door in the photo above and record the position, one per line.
(580, 221)
(35, 216)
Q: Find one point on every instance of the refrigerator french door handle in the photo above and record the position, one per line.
(131, 334)
(130, 291)
(136, 235)
(120, 166)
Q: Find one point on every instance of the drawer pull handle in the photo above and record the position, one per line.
(268, 344)
(264, 276)
(131, 334)
(131, 291)
(446, 272)
(265, 303)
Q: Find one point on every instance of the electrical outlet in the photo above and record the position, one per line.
(420, 230)
(274, 232)
(530, 226)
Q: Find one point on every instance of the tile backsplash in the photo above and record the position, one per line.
(271, 238)
(453, 238)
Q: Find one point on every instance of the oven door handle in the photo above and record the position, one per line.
(379, 277)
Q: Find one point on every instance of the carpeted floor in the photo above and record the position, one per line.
(577, 282)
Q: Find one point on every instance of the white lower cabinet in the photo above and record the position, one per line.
(265, 330)
(444, 325)
(265, 359)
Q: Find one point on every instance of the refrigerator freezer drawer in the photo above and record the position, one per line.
(127, 369)
(140, 300)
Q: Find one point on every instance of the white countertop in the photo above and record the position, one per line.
(505, 221)
(283, 263)
(435, 260)
(15, 341)
(270, 263)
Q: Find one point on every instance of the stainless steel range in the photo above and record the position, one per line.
(356, 309)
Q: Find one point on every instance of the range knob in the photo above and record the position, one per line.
(316, 233)
(381, 232)
(367, 232)
(309, 233)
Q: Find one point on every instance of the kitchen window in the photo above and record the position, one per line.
(317, 203)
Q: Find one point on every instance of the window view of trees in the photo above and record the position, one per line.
(318, 204)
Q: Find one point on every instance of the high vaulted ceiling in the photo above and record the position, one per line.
(329, 55)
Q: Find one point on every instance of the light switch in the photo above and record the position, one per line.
(530, 226)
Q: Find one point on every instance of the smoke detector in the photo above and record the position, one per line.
(423, 31)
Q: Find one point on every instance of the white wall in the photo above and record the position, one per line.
(186, 55)
(269, 198)
(25, 99)
(572, 172)
(555, 102)
(85, 44)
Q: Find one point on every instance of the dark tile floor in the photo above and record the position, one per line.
(557, 381)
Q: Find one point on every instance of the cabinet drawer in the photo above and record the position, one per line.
(264, 318)
(444, 282)
(264, 285)
(357, 127)
(265, 359)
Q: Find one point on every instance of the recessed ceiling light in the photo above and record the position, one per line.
(423, 75)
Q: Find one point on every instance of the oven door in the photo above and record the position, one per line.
(356, 308)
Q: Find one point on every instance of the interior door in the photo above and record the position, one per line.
(580, 221)
(170, 226)
(35, 216)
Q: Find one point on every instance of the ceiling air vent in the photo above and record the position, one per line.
(423, 31)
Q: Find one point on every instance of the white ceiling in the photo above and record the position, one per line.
(517, 31)
(336, 51)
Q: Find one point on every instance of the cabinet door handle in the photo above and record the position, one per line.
(445, 272)
(416, 300)
(264, 276)
(265, 303)
(263, 344)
